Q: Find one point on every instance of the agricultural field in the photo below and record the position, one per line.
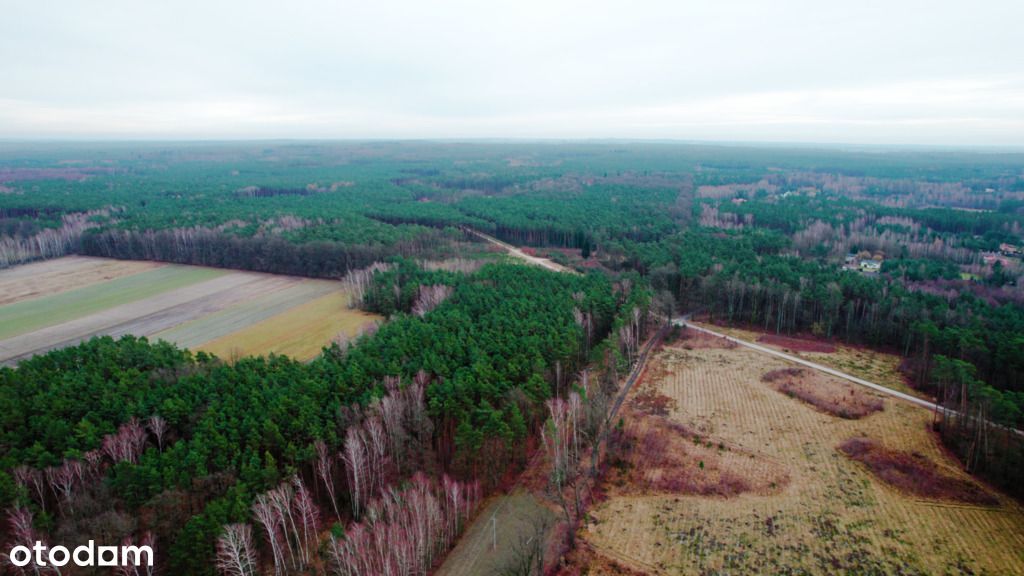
(725, 472)
(299, 333)
(61, 302)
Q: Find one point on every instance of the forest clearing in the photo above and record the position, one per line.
(65, 301)
(875, 366)
(759, 484)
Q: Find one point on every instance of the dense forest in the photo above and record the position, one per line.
(914, 251)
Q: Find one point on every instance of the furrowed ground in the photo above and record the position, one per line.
(872, 365)
(760, 485)
(61, 302)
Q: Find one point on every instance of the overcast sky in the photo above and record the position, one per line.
(886, 72)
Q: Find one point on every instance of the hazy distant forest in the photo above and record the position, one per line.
(401, 430)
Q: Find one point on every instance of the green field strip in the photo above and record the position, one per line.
(202, 330)
(21, 317)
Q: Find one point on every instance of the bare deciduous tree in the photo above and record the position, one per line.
(158, 427)
(235, 553)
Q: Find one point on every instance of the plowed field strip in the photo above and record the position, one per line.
(28, 315)
(289, 293)
(61, 275)
(300, 332)
(133, 317)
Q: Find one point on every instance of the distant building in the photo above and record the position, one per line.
(990, 258)
(870, 266)
(1011, 250)
(864, 262)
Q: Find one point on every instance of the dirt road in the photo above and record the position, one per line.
(517, 253)
(684, 321)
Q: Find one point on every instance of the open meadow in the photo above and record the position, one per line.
(62, 302)
(733, 462)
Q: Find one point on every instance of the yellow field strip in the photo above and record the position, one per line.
(300, 332)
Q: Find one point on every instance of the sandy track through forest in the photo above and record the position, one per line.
(518, 253)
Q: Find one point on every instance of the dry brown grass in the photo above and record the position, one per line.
(832, 516)
(825, 393)
(648, 400)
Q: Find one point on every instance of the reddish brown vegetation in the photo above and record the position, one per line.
(584, 560)
(650, 401)
(825, 394)
(796, 344)
(696, 340)
(913, 473)
(653, 454)
(781, 374)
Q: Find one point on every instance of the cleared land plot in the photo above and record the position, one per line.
(187, 305)
(872, 365)
(515, 518)
(301, 332)
(832, 516)
(54, 276)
